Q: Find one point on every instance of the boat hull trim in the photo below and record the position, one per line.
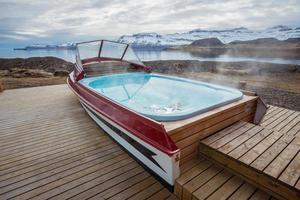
(161, 164)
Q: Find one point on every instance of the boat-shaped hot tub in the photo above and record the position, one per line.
(160, 97)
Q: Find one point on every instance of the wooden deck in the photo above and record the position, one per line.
(187, 133)
(51, 149)
(267, 155)
(202, 179)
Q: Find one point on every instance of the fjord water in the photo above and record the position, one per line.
(144, 55)
(162, 97)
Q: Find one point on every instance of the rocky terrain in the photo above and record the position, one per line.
(35, 71)
(48, 64)
(262, 47)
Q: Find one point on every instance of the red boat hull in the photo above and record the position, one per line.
(144, 138)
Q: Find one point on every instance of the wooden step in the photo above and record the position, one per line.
(267, 158)
(283, 120)
(202, 179)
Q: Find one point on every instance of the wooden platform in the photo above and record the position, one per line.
(267, 155)
(187, 133)
(202, 179)
(51, 149)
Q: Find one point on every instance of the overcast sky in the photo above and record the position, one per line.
(67, 19)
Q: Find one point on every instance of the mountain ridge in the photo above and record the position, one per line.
(152, 39)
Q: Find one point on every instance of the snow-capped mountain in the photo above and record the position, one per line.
(228, 35)
(68, 45)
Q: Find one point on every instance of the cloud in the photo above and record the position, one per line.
(41, 19)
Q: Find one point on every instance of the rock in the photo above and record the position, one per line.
(242, 84)
(36, 73)
(32, 73)
(61, 73)
(4, 73)
(207, 42)
(48, 64)
(259, 41)
(178, 67)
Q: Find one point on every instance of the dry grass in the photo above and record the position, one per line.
(12, 83)
(1, 86)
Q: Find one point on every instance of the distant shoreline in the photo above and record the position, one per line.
(263, 47)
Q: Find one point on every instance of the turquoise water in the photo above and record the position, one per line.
(162, 98)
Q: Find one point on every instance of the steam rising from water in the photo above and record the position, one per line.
(172, 108)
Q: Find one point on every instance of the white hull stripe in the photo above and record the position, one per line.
(143, 150)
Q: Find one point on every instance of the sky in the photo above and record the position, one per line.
(61, 20)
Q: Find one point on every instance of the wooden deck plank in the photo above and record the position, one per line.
(27, 148)
(272, 152)
(42, 153)
(190, 164)
(162, 194)
(187, 176)
(292, 124)
(226, 190)
(283, 117)
(223, 132)
(50, 148)
(231, 136)
(34, 169)
(26, 143)
(243, 193)
(55, 180)
(260, 195)
(126, 194)
(268, 121)
(204, 124)
(65, 169)
(240, 139)
(298, 185)
(171, 197)
(208, 131)
(260, 148)
(266, 157)
(120, 186)
(292, 173)
(283, 159)
(148, 192)
(295, 130)
(42, 171)
(270, 109)
(38, 164)
(199, 180)
(273, 113)
(287, 121)
(100, 184)
(173, 127)
(247, 145)
(211, 186)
